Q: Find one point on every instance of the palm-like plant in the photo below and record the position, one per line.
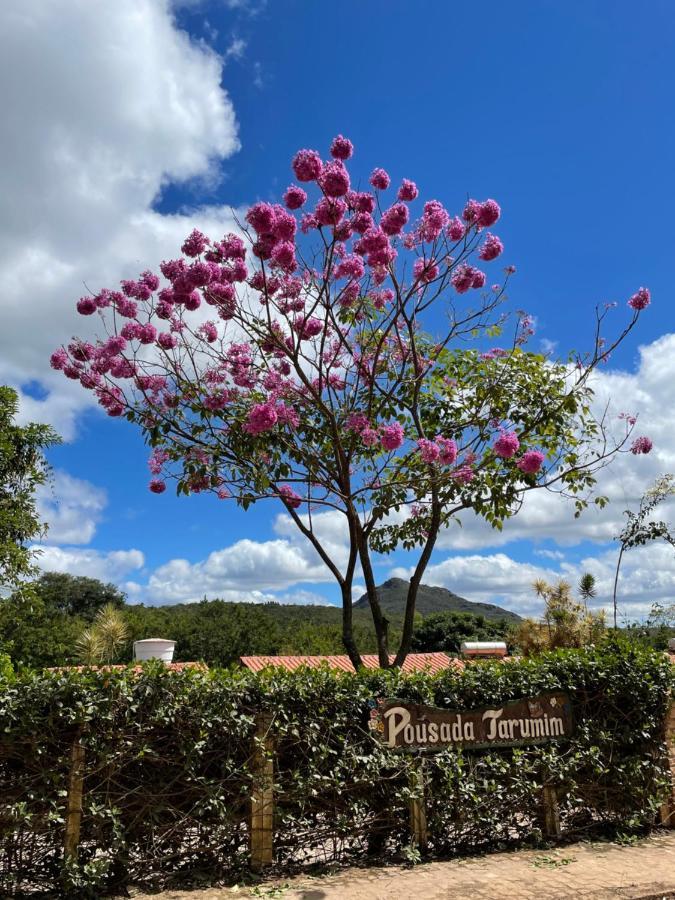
(103, 641)
(566, 622)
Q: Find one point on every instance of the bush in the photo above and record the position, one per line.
(169, 773)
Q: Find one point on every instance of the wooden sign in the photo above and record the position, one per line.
(412, 726)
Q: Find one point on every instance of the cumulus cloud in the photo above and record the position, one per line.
(330, 529)
(71, 507)
(92, 136)
(247, 566)
(647, 575)
(114, 566)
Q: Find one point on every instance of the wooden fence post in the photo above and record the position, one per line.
(550, 814)
(261, 830)
(667, 811)
(418, 813)
(74, 800)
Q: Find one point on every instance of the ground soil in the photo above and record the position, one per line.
(644, 870)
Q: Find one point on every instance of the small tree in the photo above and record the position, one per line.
(23, 469)
(566, 622)
(294, 364)
(640, 529)
(661, 616)
(446, 631)
(76, 595)
(104, 640)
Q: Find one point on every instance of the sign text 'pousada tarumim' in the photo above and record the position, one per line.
(412, 726)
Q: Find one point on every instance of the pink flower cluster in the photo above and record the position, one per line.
(640, 300)
(408, 190)
(380, 180)
(263, 417)
(506, 445)
(289, 496)
(465, 277)
(641, 445)
(275, 228)
(390, 437)
(425, 270)
(484, 214)
(442, 450)
(492, 248)
(530, 462)
(295, 197)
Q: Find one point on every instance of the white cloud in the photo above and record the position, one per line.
(71, 507)
(550, 554)
(330, 529)
(92, 135)
(113, 566)
(246, 566)
(647, 575)
(236, 49)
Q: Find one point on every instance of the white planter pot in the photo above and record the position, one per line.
(154, 648)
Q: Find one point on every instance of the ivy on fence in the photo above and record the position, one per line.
(171, 761)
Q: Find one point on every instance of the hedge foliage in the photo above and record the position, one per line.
(169, 766)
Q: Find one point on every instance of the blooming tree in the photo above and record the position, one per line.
(336, 357)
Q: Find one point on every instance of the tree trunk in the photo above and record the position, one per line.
(616, 581)
(347, 631)
(411, 599)
(380, 622)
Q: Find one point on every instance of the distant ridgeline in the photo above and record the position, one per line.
(392, 595)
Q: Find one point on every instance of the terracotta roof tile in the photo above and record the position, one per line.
(415, 662)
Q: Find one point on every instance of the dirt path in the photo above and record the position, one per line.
(598, 871)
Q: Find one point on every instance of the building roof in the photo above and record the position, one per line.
(414, 662)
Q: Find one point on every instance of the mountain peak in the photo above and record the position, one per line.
(393, 592)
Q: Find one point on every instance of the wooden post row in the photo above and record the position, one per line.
(261, 832)
(418, 813)
(74, 800)
(550, 814)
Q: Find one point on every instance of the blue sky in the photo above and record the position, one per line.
(161, 117)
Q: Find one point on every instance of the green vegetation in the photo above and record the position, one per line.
(75, 595)
(167, 765)
(566, 622)
(23, 469)
(52, 626)
(52, 623)
(446, 631)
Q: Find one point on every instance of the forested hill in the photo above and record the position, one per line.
(392, 595)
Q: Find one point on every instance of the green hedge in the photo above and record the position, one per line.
(169, 774)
